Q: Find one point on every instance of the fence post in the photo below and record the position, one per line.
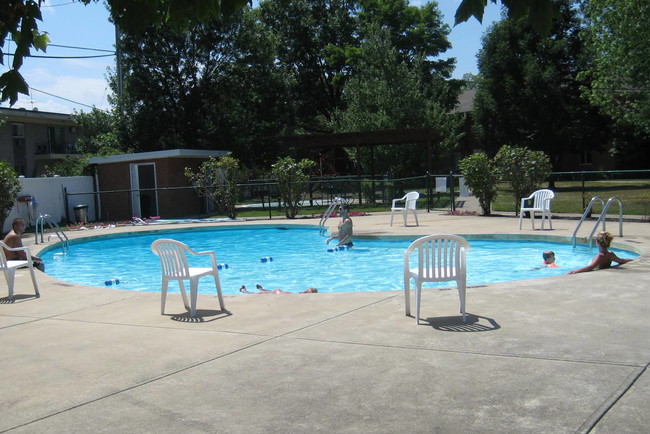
(582, 193)
(451, 191)
(428, 183)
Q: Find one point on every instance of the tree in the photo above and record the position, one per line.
(385, 93)
(217, 180)
(481, 178)
(69, 167)
(617, 33)
(539, 13)
(524, 170)
(529, 95)
(214, 87)
(98, 133)
(9, 189)
(292, 176)
(18, 19)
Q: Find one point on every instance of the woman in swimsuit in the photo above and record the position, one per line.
(604, 258)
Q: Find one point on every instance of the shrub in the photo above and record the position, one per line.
(524, 170)
(217, 179)
(481, 178)
(9, 189)
(292, 177)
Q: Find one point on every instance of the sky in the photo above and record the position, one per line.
(65, 85)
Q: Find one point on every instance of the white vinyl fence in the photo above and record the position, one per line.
(48, 196)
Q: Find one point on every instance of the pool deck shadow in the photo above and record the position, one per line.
(556, 354)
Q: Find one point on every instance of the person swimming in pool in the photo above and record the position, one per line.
(344, 234)
(604, 258)
(274, 291)
(549, 259)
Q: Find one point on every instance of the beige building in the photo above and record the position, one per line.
(31, 140)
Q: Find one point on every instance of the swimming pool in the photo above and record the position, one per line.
(300, 259)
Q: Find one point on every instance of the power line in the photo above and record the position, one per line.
(80, 48)
(65, 99)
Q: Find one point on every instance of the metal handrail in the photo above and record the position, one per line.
(336, 201)
(46, 218)
(603, 216)
(587, 212)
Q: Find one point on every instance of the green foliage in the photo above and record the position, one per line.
(524, 170)
(528, 94)
(69, 167)
(481, 178)
(98, 133)
(217, 179)
(386, 93)
(540, 13)
(18, 21)
(9, 189)
(618, 32)
(292, 178)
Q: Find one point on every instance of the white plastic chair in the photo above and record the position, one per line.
(173, 261)
(440, 258)
(9, 267)
(410, 204)
(541, 202)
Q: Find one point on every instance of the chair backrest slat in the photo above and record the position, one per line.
(172, 256)
(440, 257)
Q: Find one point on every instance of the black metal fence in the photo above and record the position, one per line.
(574, 190)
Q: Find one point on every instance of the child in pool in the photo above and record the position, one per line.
(549, 259)
(604, 258)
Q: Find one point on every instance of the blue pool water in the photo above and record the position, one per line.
(300, 259)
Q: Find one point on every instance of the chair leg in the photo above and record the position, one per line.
(186, 303)
(407, 296)
(9, 276)
(194, 294)
(405, 215)
(163, 295)
(217, 283)
(461, 295)
(521, 215)
(418, 295)
(532, 219)
(391, 217)
(31, 271)
(415, 214)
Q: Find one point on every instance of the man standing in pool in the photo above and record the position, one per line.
(344, 235)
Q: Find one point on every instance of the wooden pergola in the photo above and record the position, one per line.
(368, 139)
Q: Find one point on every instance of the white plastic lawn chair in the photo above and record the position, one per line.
(440, 258)
(9, 267)
(539, 201)
(410, 204)
(173, 260)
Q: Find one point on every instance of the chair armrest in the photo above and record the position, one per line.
(25, 249)
(213, 257)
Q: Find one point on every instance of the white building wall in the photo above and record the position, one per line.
(50, 198)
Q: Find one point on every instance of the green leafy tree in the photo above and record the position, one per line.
(539, 13)
(617, 33)
(524, 170)
(9, 189)
(214, 87)
(69, 167)
(481, 177)
(292, 178)
(18, 21)
(99, 134)
(529, 94)
(385, 93)
(217, 180)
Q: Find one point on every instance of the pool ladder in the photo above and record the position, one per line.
(336, 201)
(40, 223)
(602, 218)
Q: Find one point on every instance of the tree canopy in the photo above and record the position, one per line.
(618, 35)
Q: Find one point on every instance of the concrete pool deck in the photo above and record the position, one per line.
(559, 354)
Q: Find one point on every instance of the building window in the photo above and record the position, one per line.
(20, 153)
(585, 158)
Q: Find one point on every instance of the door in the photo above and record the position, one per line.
(144, 198)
